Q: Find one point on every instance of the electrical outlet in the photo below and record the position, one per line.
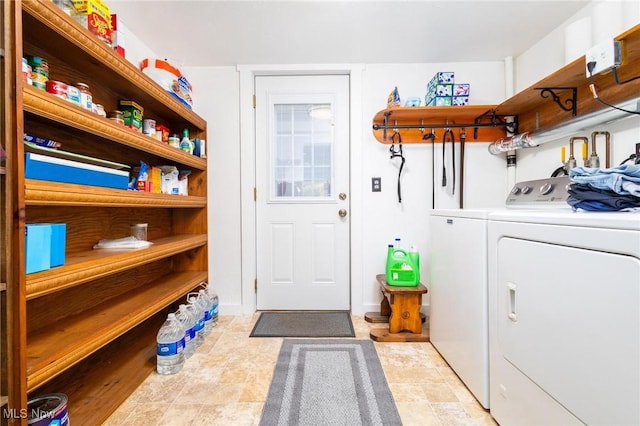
(376, 184)
(603, 56)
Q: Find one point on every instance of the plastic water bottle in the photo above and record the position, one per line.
(196, 311)
(205, 305)
(170, 346)
(189, 323)
(214, 305)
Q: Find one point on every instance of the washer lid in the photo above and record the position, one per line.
(609, 220)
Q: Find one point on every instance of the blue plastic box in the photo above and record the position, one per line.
(38, 247)
(58, 243)
(45, 246)
(44, 167)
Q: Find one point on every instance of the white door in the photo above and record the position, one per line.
(302, 198)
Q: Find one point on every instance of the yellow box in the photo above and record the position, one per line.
(155, 176)
(94, 15)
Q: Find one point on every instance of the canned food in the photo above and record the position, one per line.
(149, 127)
(73, 94)
(57, 88)
(117, 116)
(26, 72)
(39, 71)
(86, 98)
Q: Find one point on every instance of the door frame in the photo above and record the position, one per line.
(247, 74)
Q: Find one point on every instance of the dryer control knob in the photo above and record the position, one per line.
(526, 189)
(546, 188)
(515, 190)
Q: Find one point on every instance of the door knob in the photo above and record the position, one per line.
(342, 196)
(342, 212)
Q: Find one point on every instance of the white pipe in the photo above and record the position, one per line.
(509, 91)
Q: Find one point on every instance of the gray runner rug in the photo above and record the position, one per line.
(304, 324)
(329, 382)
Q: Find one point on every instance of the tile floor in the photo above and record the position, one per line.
(226, 383)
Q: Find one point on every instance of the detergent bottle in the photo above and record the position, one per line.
(403, 267)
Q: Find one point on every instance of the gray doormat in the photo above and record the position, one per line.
(304, 324)
(329, 382)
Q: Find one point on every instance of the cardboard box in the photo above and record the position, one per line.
(94, 15)
(460, 100)
(44, 167)
(461, 89)
(443, 77)
(132, 114)
(440, 101)
(117, 37)
(38, 247)
(58, 243)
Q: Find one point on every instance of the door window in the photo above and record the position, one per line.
(302, 160)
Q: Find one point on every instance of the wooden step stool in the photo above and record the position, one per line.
(400, 306)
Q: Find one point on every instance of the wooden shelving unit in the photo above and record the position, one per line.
(87, 328)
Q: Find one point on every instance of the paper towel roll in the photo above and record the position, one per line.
(606, 20)
(577, 39)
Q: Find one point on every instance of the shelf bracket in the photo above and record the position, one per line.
(571, 103)
(495, 120)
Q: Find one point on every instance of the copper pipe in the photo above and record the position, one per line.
(607, 145)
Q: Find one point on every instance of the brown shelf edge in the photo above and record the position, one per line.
(130, 310)
(132, 355)
(90, 265)
(47, 193)
(428, 117)
(44, 104)
(56, 20)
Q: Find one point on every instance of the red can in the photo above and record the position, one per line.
(57, 88)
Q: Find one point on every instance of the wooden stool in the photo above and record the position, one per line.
(400, 306)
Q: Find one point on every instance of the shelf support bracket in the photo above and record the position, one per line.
(495, 120)
(571, 102)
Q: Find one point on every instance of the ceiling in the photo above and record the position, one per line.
(231, 32)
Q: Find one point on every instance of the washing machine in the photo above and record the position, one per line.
(458, 308)
(564, 316)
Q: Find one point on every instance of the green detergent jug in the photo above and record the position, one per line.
(403, 267)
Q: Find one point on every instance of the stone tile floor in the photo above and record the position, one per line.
(227, 380)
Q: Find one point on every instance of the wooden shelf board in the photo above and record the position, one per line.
(537, 113)
(41, 18)
(93, 264)
(52, 350)
(431, 115)
(95, 393)
(40, 192)
(44, 104)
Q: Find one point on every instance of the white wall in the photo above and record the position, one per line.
(547, 56)
(381, 218)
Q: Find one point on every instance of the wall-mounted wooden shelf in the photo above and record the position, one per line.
(479, 122)
(537, 113)
(533, 108)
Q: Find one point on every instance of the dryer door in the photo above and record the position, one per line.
(569, 319)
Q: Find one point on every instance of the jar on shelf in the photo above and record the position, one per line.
(174, 140)
(99, 109)
(117, 116)
(86, 98)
